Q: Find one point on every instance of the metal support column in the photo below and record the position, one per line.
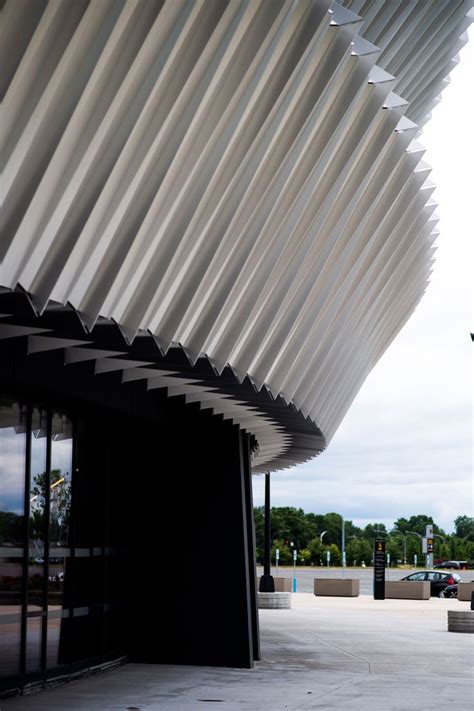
(267, 584)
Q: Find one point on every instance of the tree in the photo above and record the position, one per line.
(333, 525)
(304, 557)
(336, 557)
(11, 528)
(317, 551)
(286, 555)
(259, 519)
(417, 524)
(292, 525)
(358, 550)
(375, 530)
(464, 527)
(60, 506)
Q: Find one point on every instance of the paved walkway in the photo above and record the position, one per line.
(326, 653)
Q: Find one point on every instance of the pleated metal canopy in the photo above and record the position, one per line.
(238, 180)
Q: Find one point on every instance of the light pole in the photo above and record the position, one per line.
(267, 584)
(328, 554)
(321, 536)
(343, 547)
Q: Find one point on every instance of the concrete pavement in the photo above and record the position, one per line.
(339, 654)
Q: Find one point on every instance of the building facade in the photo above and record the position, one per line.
(216, 217)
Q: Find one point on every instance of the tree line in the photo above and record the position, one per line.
(313, 535)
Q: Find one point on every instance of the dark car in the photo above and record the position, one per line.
(451, 565)
(439, 581)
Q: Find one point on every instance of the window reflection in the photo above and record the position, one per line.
(51, 578)
(59, 524)
(12, 483)
(37, 535)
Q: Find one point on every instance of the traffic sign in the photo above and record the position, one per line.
(379, 569)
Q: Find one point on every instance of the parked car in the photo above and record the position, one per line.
(438, 581)
(452, 565)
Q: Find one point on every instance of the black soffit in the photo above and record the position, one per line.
(61, 327)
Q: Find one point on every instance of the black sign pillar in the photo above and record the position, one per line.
(379, 569)
(267, 584)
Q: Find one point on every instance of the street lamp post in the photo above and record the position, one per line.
(321, 536)
(343, 542)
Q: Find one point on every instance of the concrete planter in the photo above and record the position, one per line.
(274, 601)
(336, 587)
(461, 621)
(407, 589)
(281, 584)
(465, 590)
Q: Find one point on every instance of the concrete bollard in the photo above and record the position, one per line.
(274, 601)
(461, 621)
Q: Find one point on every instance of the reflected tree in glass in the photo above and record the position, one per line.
(37, 533)
(12, 491)
(59, 482)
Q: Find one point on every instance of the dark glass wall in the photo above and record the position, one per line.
(13, 440)
(93, 500)
(64, 537)
(36, 447)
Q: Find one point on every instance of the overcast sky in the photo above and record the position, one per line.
(405, 446)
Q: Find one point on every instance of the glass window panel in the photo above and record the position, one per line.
(10, 645)
(54, 633)
(37, 523)
(59, 524)
(12, 491)
(34, 627)
(37, 534)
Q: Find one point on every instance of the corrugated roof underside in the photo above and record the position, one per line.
(235, 177)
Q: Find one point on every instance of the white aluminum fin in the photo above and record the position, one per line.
(234, 177)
